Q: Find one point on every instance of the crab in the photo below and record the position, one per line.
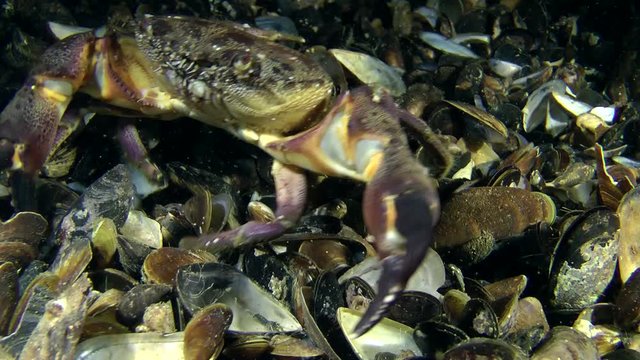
(242, 80)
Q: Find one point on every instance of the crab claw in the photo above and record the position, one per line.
(401, 207)
(29, 123)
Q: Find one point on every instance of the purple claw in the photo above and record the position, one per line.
(401, 207)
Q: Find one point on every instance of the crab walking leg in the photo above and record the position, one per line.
(30, 120)
(136, 153)
(291, 195)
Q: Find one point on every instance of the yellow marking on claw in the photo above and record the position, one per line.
(372, 167)
(16, 159)
(394, 243)
(53, 95)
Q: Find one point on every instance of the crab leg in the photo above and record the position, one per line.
(291, 195)
(135, 152)
(361, 138)
(30, 121)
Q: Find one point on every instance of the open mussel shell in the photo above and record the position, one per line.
(596, 322)
(530, 325)
(566, 343)
(387, 336)
(628, 303)
(371, 71)
(25, 227)
(103, 242)
(428, 277)
(141, 229)
(289, 347)
(435, 337)
(474, 219)
(9, 295)
(584, 260)
(204, 334)
(326, 254)
(629, 214)
(483, 125)
(161, 265)
(483, 348)
(413, 307)
(60, 326)
(505, 295)
(133, 304)
(132, 346)
(254, 309)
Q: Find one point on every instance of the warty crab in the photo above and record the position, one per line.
(239, 79)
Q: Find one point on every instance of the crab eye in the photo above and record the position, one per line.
(242, 63)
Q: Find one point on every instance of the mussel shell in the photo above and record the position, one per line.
(18, 253)
(204, 334)
(161, 265)
(255, 310)
(106, 279)
(25, 227)
(132, 346)
(628, 303)
(436, 337)
(270, 272)
(474, 219)
(413, 307)
(132, 306)
(9, 295)
(479, 319)
(629, 214)
(566, 343)
(288, 347)
(326, 254)
(584, 260)
(484, 348)
(59, 328)
(530, 325)
(386, 336)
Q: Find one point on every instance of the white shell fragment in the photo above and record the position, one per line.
(61, 31)
(503, 68)
(571, 104)
(471, 38)
(428, 14)
(132, 346)
(606, 113)
(428, 278)
(537, 111)
(555, 105)
(371, 71)
(629, 250)
(142, 229)
(443, 44)
(387, 336)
